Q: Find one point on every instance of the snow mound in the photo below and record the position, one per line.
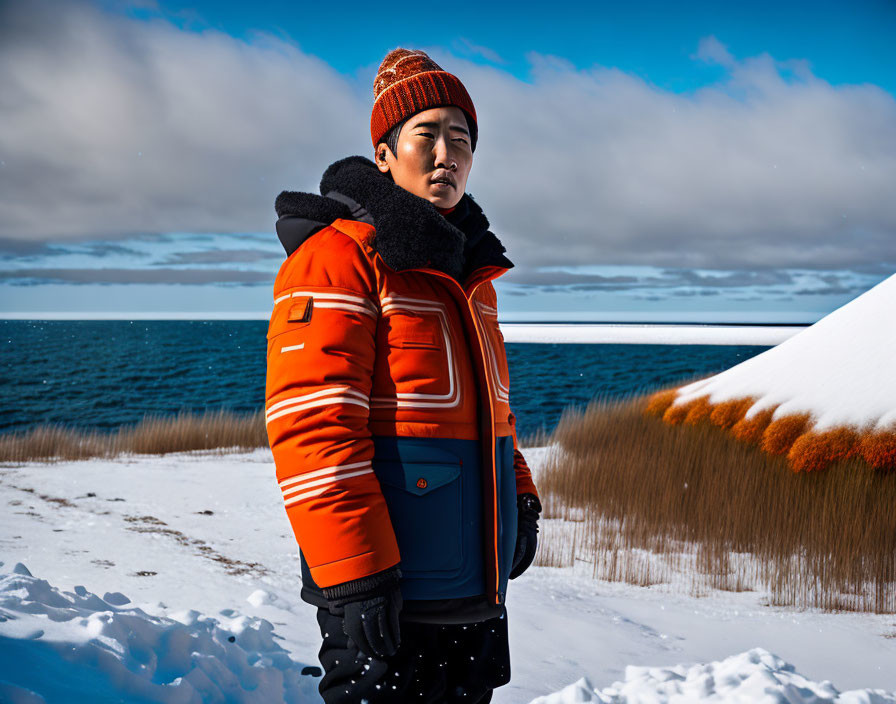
(831, 382)
(75, 646)
(754, 676)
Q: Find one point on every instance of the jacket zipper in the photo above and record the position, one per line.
(498, 596)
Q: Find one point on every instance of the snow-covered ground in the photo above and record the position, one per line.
(176, 578)
(644, 334)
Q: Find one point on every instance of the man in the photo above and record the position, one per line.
(388, 406)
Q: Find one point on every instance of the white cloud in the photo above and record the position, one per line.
(115, 127)
(464, 46)
(711, 50)
(598, 166)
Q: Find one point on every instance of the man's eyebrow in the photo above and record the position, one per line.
(436, 124)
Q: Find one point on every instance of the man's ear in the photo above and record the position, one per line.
(382, 155)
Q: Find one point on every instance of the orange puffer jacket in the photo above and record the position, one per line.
(387, 400)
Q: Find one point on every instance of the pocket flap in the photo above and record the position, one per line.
(413, 331)
(300, 309)
(416, 478)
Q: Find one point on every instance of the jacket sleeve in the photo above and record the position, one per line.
(320, 356)
(524, 482)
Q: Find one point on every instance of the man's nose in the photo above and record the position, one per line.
(440, 152)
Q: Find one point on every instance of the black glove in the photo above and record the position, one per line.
(369, 608)
(528, 507)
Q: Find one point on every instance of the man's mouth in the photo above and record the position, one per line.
(445, 180)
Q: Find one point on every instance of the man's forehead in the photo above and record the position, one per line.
(431, 119)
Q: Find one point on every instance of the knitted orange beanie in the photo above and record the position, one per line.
(408, 82)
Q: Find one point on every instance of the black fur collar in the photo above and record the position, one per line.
(410, 232)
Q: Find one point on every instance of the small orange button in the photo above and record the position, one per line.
(421, 483)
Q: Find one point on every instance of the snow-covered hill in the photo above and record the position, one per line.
(190, 551)
(754, 676)
(71, 646)
(825, 393)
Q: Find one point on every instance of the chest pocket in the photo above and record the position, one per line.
(417, 371)
(409, 331)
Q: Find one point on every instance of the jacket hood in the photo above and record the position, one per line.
(410, 232)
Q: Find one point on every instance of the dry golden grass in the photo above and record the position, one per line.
(183, 432)
(780, 434)
(751, 429)
(539, 438)
(649, 499)
(660, 401)
(727, 413)
(698, 411)
(814, 451)
(791, 436)
(878, 449)
(676, 414)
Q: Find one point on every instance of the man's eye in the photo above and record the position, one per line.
(460, 139)
(424, 134)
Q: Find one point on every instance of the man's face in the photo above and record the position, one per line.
(428, 144)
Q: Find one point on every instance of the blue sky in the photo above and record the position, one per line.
(693, 161)
(845, 42)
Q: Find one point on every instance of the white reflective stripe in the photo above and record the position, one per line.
(290, 348)
(314, 474)
(315, 404)
(408, 299)
(502, 393)
(322, 489)
(345, 306)
(341, 389)
(420, 400)
(344, 474)
(319, 296)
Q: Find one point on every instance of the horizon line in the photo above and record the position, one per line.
(517, 319)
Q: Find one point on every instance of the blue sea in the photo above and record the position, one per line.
(104, 374)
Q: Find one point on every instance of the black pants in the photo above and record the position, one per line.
(434, 663)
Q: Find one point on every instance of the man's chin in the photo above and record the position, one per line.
(444, 202)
